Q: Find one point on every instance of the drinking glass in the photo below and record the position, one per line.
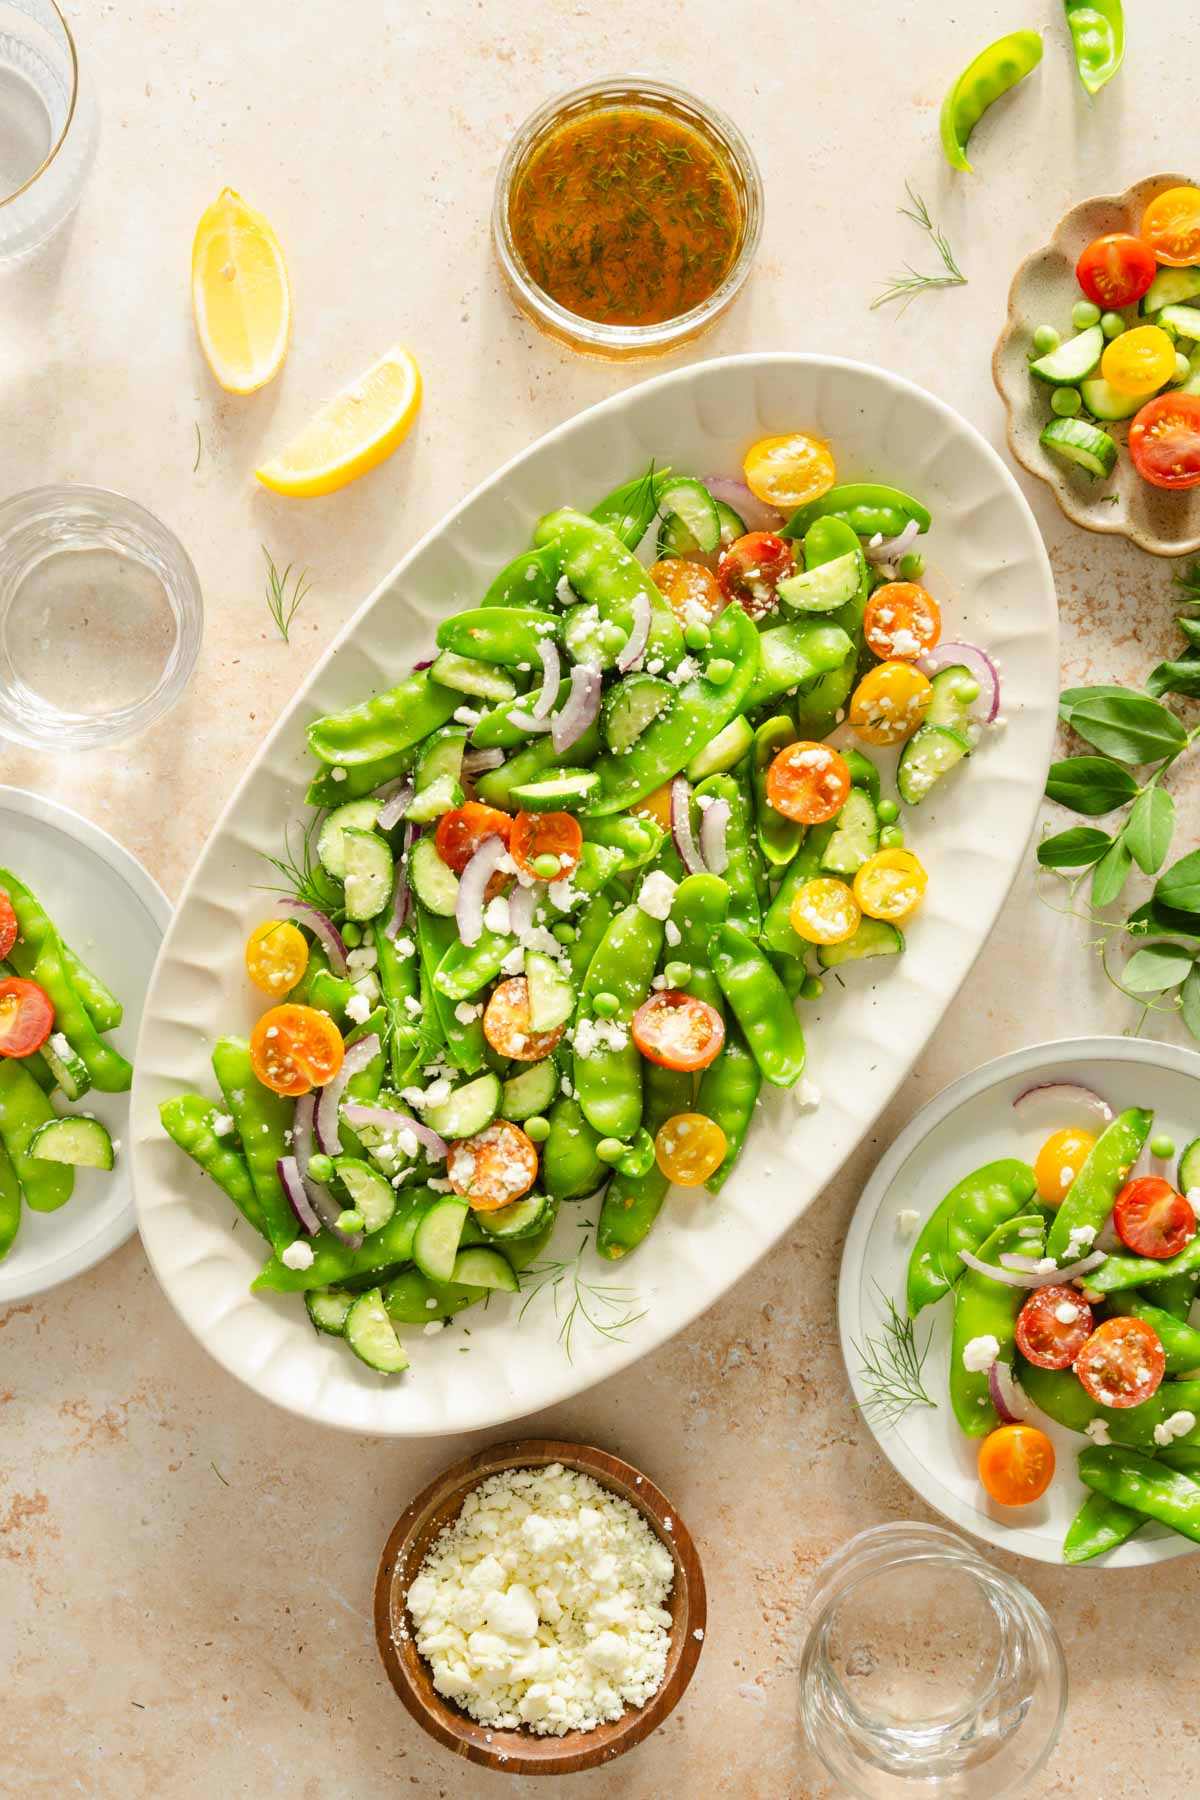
(48, 125)
(927, 1672)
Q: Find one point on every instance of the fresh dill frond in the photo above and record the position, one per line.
(282, 605)
(608, 1310)
(912, 282)
(302, 876)
(890, 1367)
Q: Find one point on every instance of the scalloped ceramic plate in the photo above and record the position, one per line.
(991, 574)
(968, 1124)
(1044, 290)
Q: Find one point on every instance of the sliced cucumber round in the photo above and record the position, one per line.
(565, 792)
(372, 1336)
(523, 1219)
(1068, 365)
(83, 1143)
(949, 705)
(929, 754)
(824, 588)
(632, 705)
(723, 752)
(468, 1109)
(360, 815)
(1075, 441)
(435, 884)
(485, 1268)
(874, 937)
(329, 1308)
(855, 837)
(1169, 287)
(370, 873)
(1188, 1175)
(436, 1240)
(440, 796)
(674, 538)
(684, 498)
(551, 992)
(1185, 319)
(1104, 402)
(369, 1193)
(67, 1067)
(530, 1091)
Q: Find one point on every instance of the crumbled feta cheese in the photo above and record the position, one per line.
(358, 1008)
(609, 1034)
(465, 1013)
(1079, 1241)
(1066, 1312)
(1177, 1426)
(412, 1006)
(514, 962)
(467, 715)
(562, 894)
(1097, 1430)
(807, 1093)
(222, 1124)
(297, 1256)
(496, 915)
(337, 773)
(683, 671)
(61, 1047)
(564, 591)
(405, 947)
(907, 1220)
(674, 935)
(980, 1353)
(656, 894)
(433, 1327)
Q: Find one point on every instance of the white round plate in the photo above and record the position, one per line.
(989, 571)
(114, 914)
(969, 1123)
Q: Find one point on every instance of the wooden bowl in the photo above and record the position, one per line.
(522, 1752)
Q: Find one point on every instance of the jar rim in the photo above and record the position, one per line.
(60, 140)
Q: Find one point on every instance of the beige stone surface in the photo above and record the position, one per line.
(185, 1573)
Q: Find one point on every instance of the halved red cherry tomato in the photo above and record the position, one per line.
(1122, 1362)
(26, 1017)
(506, 1024)
(1171, 226)
(1152, 1218)
(294, 1048)
(493, 1168)
(751, 569)
(460, 833)
(678, 1031)
(1053, 1326)
(9, 928)
(689, 589)
(1016, 1464)
(546, 834)
(1115, 270)
(808, 782)
(901, 620)
(1164, 441)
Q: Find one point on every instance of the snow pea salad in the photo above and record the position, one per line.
(54, 1017)
(569, 878)
(1135, 354)
(1072, 1280)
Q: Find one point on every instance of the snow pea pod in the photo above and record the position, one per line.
(464, 1041)
(1099, 1525)
(496, 786)
(335, 1264)
(699, 904)
(632, 1202)
(495, 730)
(1175, 1294)
(509, 635)
(109, 1070)
(188, 1121)
(777, 932)
(528, 580)
(1098, 38)
(328, 993)
(593, 923)
(629, 510)
(987, 1308)
(1145, 1486)
(739, 871)
(399, 982)
(1142, 1271)
(1180, 1341)
(778, 838)
(264, 1121)
(991, 74)
(384, 725)
(103, 1007)
(10, 1202)
(820, 704)
(865, 506)
(1090, 1198)
(1060, 1394)
(23, 1109)
(361, 779)
(760, 1004)
(570, 1167)
(729, 1090)
(967, 1216)
(638, 840)
(609, 577)
(608, 1072)
(794, 655)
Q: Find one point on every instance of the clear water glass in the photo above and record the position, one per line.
(927, 1672)
(49, 123)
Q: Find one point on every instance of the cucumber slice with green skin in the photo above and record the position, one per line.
(530, 1092)
(485, 1268)
(467, 675)
(372, 1336)
(824, 588)
(551, 993)
(469, 1109)
(437, 1237)
(589, 640)
(1103, 401)
(855, 838)
(1075, 441)
(1192, 384)
(435, 885)
(1185, 319)
(874, 937)
(632, 705)
(689, 501)
(83, 1143)
(329, 1308)
(440, 796)
(68, 1069)
(412, 1299)
(370, 873)
(440, 755)
(1188, 1174)
(1169, 287)
(724, 752)
(674, 538)
(863, 773)
(1071, 361)
(359, 815)
(929, 754)
(954, 691)
(369, 1193)
(523, 1219)
(566, 792)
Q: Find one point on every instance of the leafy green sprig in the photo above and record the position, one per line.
(905, 288)
(283, 603)
(891, 1365)
(607, 1309)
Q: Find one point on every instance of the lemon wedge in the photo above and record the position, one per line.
(240, 294)
(351, 433)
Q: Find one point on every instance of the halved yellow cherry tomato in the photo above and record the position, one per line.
(790, 471)
(276, 956)
(825, 911)
(890, 884)
(1058, 1163)
(1016, 1464)
(1171, 226)
(1139, 362)
(889, 703)
(689, 589)
(689, 1147)
(295, 1048)
(656, 806)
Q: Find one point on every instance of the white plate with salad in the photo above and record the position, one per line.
(953, 1401)
(677, 761)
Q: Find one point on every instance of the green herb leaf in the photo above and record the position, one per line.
(1150, 829)
(1190, 626)
(1131, 727)
(1077, 848)
(1175, 678)
(1190, 582)
(1190, 1002)
(1179, 886)
(1111, 874)
(1153, 916)
(1156, 968)
(1090, 784)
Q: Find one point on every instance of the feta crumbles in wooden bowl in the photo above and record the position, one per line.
(540, 1607)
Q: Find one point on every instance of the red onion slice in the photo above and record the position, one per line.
(714, 827)
(426, 664)
(543, 706)
(755, 513)
(322, 928)
(522, 902)
(580, 709)
(401, 897)
(1026, 1273)
(321, 1200)
(981, 666)
(1006, 1395)
(396, 804)
(892, 548)
(681, 826)
(472, 888)
(639, 634)
(525, 721)
(1059, 1095)
(476, 762)
(384, 1119)
(358, 1056)
(292, 1184)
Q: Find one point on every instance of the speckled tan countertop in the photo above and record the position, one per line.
(185, 1573)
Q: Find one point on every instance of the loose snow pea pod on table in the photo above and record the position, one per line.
(23, 1110)
(108, 1069)
(1098, 37)
(760, 1004)
(739, 874)
(102, 1005)
(1062, 1396)
(867, 507)
(728, 1093)
(1180, 1341)
(264, 1121)
(384, 725)
(632, 1202)
(530, 579)
(510, 635)
(188, 1121)
(608, 1078)
(335, 1263)
(609, 577)
(1091, 1195)
(991, 74)
(1144, 1485)
(10, 1201)
(968, 1215)
(987, 1308)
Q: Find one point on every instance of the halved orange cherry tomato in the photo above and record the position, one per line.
(901, 620)
(1153, 1219)
(825, 911)
(460, 832)
(506, 1024)
(1171, 226)
(276, 956)
(1053, 1326)
(294, 1048)
(26, 1017)
(1016, 1464)
(1122, 1362)
(890, 884)
(1058, 1163)
(808, 782)
(1139, 362)
(656, 806)
(678, 1030)
(789, 471)
(493, 1168)
(689, 589)
(889, 703)
(546, 834)
(752, 568)
(9, 928)
(1164, 441)
(1116, 270)
(689, 1147)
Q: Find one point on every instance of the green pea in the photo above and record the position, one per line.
(350, 1220)
(888, 812)
(1111, 324)
(352, 934)
(967, 688)
(812, 987)
(605, 1005)
(891, 837)
(678, 974)
(1183, 367)
(1066, 402)
(320, 1167)
(610, 1149)
(612, 639)
(1162, 1146)
(719, 670)
(536, 1129)
(1045, 339)
(1084, 314)
(546, 867)
(566, 934)
(912, 566)
(697, 636)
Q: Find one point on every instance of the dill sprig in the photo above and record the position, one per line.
(906, 287)
(302, 875)
(608, 1310)
(891, 1367)
(282, 605)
